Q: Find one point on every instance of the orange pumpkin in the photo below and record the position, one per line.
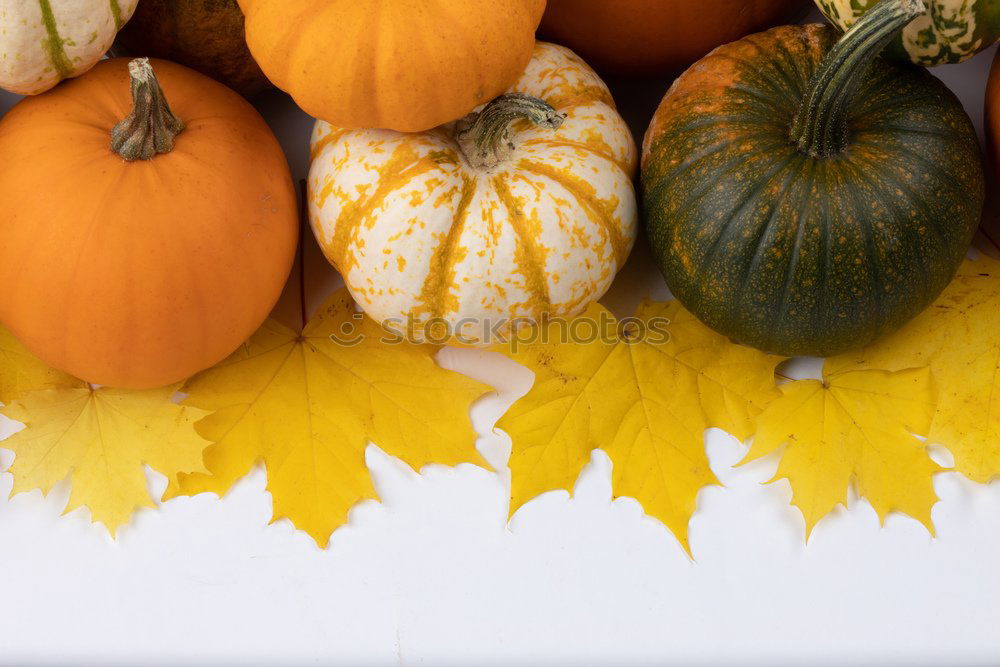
(991, 218)
(140, 242)
(658, 36)
(406, 65)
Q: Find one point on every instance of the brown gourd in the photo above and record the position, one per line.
(205, 35)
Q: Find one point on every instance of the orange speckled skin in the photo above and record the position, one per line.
(140, 274)
(796, 254)
(406, 65)
(421, 235)
(658, 36)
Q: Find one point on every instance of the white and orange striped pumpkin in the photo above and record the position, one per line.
(43, 42)
(523, 210)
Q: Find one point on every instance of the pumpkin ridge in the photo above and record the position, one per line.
(529, 255)
(826, 270)
(865, 235)
(746, 198)
(697, 196)
(796, 83)
(808, 190)
(908, 187)
(436, 291)
(779, 107)
(580, 145)
(758, 245)
(902, 129)
(600, 211)
(876, 312)
(929, 216)
(875, 270)
(54, 44)
(878, 275)
(929, 219)
(889, 106)
(720, 144)
(664, 180)
(404, 166)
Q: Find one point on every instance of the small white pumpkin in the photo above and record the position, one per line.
(43, 42)
(523, 210)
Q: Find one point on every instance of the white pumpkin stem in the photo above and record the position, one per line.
(151, 127)
(820, 128)
(485, 137)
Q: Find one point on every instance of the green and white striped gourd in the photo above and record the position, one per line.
(950, 31)
(43, 42)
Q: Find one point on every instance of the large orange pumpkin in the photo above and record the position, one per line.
(658, 36)
(140, 243)
(406, 65)
(991, 218)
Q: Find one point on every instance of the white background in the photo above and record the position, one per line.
(434, 574)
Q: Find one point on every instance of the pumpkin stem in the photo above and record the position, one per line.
(151, 127)
(820, 127)
(485, 137)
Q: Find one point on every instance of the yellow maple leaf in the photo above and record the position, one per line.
(21, 371)
(645, 398)
(957, 338)
(854, 427)
(100, 439)
(308, 405)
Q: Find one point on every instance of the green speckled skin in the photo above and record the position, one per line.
(801, 255)
(950, 31)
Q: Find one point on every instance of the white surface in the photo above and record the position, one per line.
(433, 575)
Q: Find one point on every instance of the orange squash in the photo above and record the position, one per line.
(991, 123)
(140, 241)
(658, 36)
(992, 120)
(406, 65)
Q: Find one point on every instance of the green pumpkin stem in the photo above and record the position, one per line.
(820, 127)
(485, 137)
(151, 127)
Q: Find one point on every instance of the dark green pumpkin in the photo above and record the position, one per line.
(804, 196)
(205, 35)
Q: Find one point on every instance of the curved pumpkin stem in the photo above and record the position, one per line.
(820, 127)
(151, 127)
(485, 137)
